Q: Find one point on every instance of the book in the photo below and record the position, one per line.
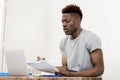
(43, 65)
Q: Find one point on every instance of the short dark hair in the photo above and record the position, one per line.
(72, 8)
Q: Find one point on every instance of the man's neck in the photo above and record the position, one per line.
(75, 35)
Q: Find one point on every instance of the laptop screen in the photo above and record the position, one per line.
(16, 62)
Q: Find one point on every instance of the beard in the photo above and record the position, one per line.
(70, 32)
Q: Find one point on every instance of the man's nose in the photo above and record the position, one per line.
(64, 24)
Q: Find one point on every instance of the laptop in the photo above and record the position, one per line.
(16, 63)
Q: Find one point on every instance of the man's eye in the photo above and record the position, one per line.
(67, 21)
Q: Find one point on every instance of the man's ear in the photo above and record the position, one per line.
(79, 21)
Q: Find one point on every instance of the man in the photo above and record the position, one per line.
(81, 49)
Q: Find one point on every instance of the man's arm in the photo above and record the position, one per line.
(64, 64)
(98, 66)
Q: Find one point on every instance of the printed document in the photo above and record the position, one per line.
(43, 65)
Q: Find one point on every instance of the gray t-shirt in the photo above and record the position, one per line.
(77, 51)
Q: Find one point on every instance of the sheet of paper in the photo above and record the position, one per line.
(43, 65)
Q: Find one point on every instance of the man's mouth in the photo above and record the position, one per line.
(65, 30)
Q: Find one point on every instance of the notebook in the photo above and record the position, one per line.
(16, 63)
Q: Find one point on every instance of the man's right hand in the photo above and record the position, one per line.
(39, 58)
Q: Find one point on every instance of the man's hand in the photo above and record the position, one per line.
(39, 58)
(63, 71)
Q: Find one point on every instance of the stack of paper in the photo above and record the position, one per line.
(43, 65)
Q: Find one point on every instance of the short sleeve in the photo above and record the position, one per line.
(94, 42)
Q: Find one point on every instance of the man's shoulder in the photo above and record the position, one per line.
(90, 34)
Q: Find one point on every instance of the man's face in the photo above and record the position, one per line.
(70, 23)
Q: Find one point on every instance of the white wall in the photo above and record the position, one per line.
(25, 27)
(36, 27)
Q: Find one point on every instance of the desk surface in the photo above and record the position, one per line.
(48, 78)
